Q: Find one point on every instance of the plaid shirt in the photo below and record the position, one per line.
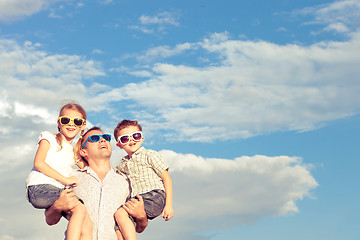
(143, 170)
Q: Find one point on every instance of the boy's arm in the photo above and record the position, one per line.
(43, 167)
(64, 203)
(168, 211)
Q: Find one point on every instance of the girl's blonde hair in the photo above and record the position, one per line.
(78, 108)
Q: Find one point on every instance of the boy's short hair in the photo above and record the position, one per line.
(124, 124)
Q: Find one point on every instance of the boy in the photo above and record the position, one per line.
(148, 175)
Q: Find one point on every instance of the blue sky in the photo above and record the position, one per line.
(254, 105)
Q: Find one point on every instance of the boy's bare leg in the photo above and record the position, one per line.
(135, 208)
(126, 226)
(119, 235)
(87, 230)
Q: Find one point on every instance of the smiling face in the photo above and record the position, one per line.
(70, 130)
(132, 146)
(95, 151)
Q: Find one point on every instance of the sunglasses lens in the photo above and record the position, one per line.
(78, 121)
(124, 139)
(107, 137)
(137, 136)
(64, 120)
(94, 138)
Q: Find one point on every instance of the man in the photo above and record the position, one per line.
(100, 188)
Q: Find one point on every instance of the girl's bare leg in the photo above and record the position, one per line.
(76, 221)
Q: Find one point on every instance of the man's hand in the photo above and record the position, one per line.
(135, 208)
(66, 201)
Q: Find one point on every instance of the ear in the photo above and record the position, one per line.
(119, 145)
(83, 153)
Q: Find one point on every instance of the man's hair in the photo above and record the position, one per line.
(91, 129)
(124, 124)
(81, 142)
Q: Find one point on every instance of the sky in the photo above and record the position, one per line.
(253, 104)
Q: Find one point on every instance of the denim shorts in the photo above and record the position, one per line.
(154, 203)
(42, 196)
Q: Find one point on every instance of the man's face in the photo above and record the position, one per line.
(94, 151)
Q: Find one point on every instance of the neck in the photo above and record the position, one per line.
(65, 139)
(101, 168)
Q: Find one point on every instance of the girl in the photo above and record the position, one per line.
(53, 164)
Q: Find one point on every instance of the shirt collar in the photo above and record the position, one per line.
(90, 171)
(135, 153)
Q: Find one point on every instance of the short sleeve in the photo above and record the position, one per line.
(157, 162)
(47, 136)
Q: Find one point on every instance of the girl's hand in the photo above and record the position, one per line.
(71, 181)
(167, 213)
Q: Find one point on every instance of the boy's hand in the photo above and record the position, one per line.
(167, 213)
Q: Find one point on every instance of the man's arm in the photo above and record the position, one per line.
(64, 203)
(135, 208)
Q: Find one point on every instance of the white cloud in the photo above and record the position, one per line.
(165, 52)
(33, 84)
(256, 86)
(251, 88)
(281, 29)
(339, 16)
(338, 27)
(105, 1)
(97, 51)
(142, 29)
(158, 23)
(11, 10)
(160, 18)
(234, 192)
(33, 77)
(142, 73)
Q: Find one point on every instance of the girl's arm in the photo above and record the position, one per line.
(168, 211)
(43, 167)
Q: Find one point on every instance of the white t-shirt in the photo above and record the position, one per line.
(62, 161)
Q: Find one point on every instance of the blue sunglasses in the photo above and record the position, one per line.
(96, 138)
